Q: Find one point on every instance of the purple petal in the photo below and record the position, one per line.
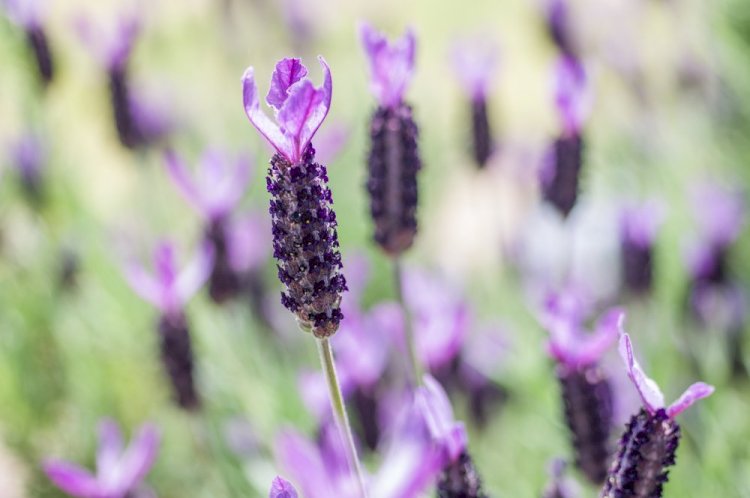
(639, 224)
(222, 181)
(436, 410)
(301, 460)
(605, 334)
(474, 64)
(72, 479)
(258, 118)
(720, 213)
(391, 65)
(572, 95)
(249, 241)
(110, 445)
(281, 488)
(145, 285)
(182, 179)
(137, 460)
(697, 391)
(194, 275)
(649, 391)
(287, 73)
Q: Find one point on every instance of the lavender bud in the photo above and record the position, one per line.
(127, 130)
(646, 451)
(38, 41)
(587, 399)
(560, 185)
(392, 183)
(177, 358)
(481, 134)
(305, 242)
(460, 480)
(224, 283)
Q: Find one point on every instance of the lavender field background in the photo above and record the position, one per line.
(670, 115)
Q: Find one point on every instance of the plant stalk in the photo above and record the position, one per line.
(415, 367)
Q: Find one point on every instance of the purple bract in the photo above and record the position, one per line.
(391, 64)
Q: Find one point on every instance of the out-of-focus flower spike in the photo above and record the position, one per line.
(573, 96)
(557, 13)
(639, 226)
(281, 488)
(28, 14)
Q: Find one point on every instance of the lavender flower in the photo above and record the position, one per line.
(648, 446)
(559, 26)
(474, 67)
(562, 166)
(29, 158)
(169, 290)
(639, 226)
(586, 391)
(304, 224)
(28, 15)
(214, 192)
(459, 477)
(393, 160)
(119, 472)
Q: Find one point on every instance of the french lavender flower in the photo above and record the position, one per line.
(586, 391)
(561, 169)
(28, 157)
(459, 477)
(475, 65)
(648, 446)
(217, 187)
(304, 224)
(169, 290)
(557, 15)
(119, 471)
(393, 160)
(28, 15)
(639, 226)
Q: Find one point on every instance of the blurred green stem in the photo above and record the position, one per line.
(414, 364)
(339, 410)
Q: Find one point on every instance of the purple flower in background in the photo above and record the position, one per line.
(648, 446)
(557, 15)
(119, 471)
(281, 488)
(560, 486)
(585, 388)
(169, 290)
(474, 65)
(215, 190)
(639, 226)
(393, 160)
(28, 157)
(561, 168)
(304, 224)
(28, 15)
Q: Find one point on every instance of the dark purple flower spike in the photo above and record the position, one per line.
(304, 223)
(561, 170)
(639, 226)
(217, 188)
(474, 65)
(648, 446)
(28, 15)
(169, 290)
(119, 471)
(586, 391)
(393, 160)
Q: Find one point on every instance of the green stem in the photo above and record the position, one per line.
(339, 410)
(415, 366)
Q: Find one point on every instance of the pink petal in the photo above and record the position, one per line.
(287, 73)
(263, 123)
(72, 479)
(697, 391)
(138, 459)
(281, 488)
(110, 445)
(649, 391)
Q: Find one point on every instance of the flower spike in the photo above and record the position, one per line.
(300, 107)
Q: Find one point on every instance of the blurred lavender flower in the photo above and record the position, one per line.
(560, 486)
(557, 15)
(331, 140)
(648, 446)
(639, 225)
(304, 224)
(28, 157)
(586, 391)
(281, 488)
(119, 472)
(28, 15)
(169, 290)
(459, 478)
(474, 65)
(139, 123)
(218, 186)
(561, 169)
(393, 160)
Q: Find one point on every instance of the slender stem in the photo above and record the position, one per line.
(339, 410)
(415, 366)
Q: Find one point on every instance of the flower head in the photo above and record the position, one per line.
(168, 288)
(572, 94)
(569, 345)
(475, 64)
(118, 471)
(300, 108)
(391, 64)
(218, 185)
(651, 395)
(111, 46)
